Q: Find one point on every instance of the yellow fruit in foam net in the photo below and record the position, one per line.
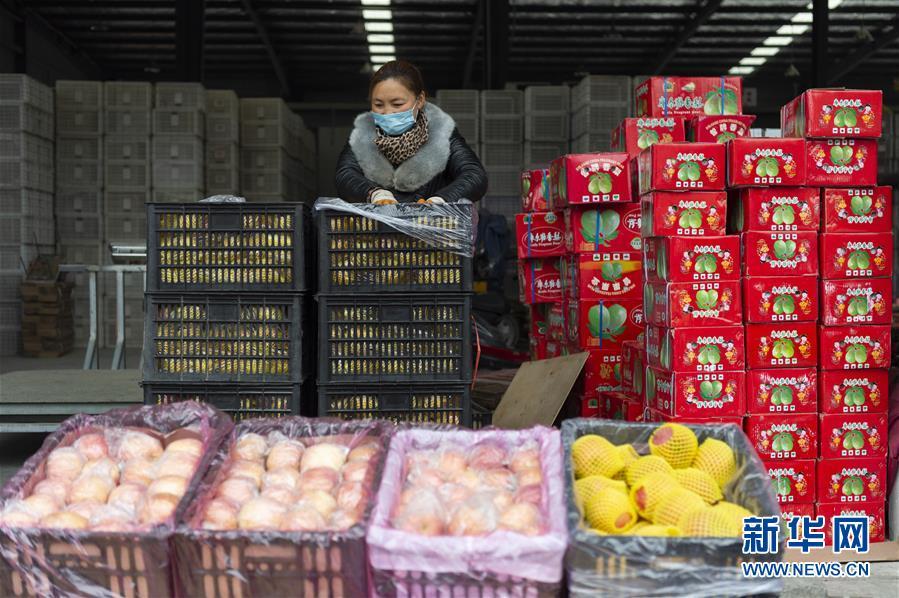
(628, 453)
(708, 522)
(658, 531)
(638, 526)
(716, 459)
(644, 466)
(675, 443)
(735, 512)
(586, 488)
(699, 482)
(650, 490)
(610, 512)
(675, 505)
(594, 455)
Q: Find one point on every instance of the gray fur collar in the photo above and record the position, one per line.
(415, 172)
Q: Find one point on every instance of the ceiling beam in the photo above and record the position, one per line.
(496, 30)
(473, 44)
(703, 13)
(269, 48)
(190, 17)
(888, 35)
(820, 25)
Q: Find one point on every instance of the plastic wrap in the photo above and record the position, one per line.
(60, 562)
(449, 226)
(223, 199)
(219, 563)
(656, 566)
(501, 563)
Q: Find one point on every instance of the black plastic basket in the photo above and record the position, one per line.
(223, 338)
(240, 401)
(481, 417)
(413, 403)
(361, 255)
(394, 338)
(200, 247)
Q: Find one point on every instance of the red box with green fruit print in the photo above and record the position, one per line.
(537, 347)
(602, 371)
(719, 129)
(539, 326)
(609, 230)
(679, 304)
(857, 210)
(535, 190)
(577, 179)
(793, 481)
(682, 259)
(680, 214)
(702, 395)
(834, 113)
(782, 391)
(854, 392)
(852, 480)
(874, 511)
(780, 254)
(555, 322)
(682, 167)
(705, 349)
(620, 405)
(769, 299)
(841, 162)
(590, 277)
(854, 347)
(539, 281)
(774, 209)
(856, 255)
(633, 362)
(604, 324)
(768, 161)
(591, 408)
(688, 96)
(787, 345)
(633, 135)
(657, 416)
(783, 437)
(853, 435)
(789, 511)
(540, 234)
(856, 301)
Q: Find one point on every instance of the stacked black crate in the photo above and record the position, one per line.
(226, 306)
(394, 315)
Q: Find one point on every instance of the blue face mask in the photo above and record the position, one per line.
(396, 123)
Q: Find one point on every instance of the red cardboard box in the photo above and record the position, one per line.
(556, 329)
(590, 178)
(680, 259)
(611, 230)
(853, 435)
(782, 391)
(834, 113)
(783, 437)
(874, 511)
(774, 209)
(589, 277)
(689, 96)
(602, 371)
(535, 190)
(682, 167)
(770, 299)
(633, 362)
(684, 214)
(604, 324)
(841, 162)
(554, 348)
(793, 481)
(767, 161)
(847, 255)
(539, 326)
(854, 347)
(854, 480)
(787, 345)
(703, 349)
(857, 210)
(540, 234)
(788, 511)
(540, 281)
(591, 408)
(657, 416)
(679, 304)
(537, 348)
(856, 301)
(620, 405)
(719, 129)
(633, 135)
(780, 254)
(701, 395)
(854, 392)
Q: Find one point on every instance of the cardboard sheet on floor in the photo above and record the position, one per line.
(538, 392)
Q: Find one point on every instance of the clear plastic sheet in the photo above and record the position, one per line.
(223, 199)
(275, 563)
(451, 227)
(51, 562)
(655, 566)
(501, 563)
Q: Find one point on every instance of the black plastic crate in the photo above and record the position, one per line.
(415, 403)
(394, 338)
(243, 401)
(481, 417)
(223, 338)
(245, 247)
(362, 255)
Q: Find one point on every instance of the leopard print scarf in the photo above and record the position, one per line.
(400, 148)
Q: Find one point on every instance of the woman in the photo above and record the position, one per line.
(406, 149)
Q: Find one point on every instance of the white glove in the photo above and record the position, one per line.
(382, 197)
(436, 200)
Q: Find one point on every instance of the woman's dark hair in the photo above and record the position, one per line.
(403, 71)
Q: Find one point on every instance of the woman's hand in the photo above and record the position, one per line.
(382, 197)
(436, 200)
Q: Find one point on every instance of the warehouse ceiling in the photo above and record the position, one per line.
(322, 45)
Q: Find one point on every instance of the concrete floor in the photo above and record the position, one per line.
(883, 583)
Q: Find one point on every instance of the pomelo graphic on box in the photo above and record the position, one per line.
(604, 324)
(857, 210)
(789, 345)
(770, 299)
(793, 481)
(703, 395)
(777, 254)
(784, 437)
(775, 209)
(854, 392)
(853, 435)
(852, 480)
(679, 214)
(682, 167)
(633, 135)
(856, 301)
(837, 112)
(688, 96)
(854, 347)
(701, 349)
(841, 162)
(854, 255)
(679, 259)
(590, 277)
(782, 391)
(679, 304)
(719, 129)
(590, 178)
(768, 161)
(874, 511)
(609, 230)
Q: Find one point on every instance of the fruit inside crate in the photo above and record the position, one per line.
(240, 402)
(416, 403)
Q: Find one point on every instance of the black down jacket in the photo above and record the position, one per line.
(444, 166)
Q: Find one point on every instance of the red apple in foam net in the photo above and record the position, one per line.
(342, 520)
(251, 447)
(468, 478)
(487, 455)
(103, 467)
(502, 499)
(261, 514)
(90, 488)
(528, 477)
(56, 488)
(41, 504)
(174, 485)
(286, 477)
(18, 515)
(319, 478)
(158, 508)
(182, 465)
(364, 452)
(350, 495)
(84, 509)
(453, 494)
(326, 454)
(525, 459)
(451, 463)
(190, 446)
(523, 518)
(237, 491)
(134, 445)
(319, 500)
(111, 519)
(531, 494)
(127, 497)
(220, 514)
(284, 454)
(423, 524)
(474, 517)
(92, 446)
(426, 477)
(64, 520)
(65, 463)
(281, 494)
(252, 470)
(498, 478)
(138, 471)
(303, 519)
(355, 471)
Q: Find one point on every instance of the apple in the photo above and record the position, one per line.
(302, 519)
(319, 478)
(158, 508)
(261, 514)
(284, 454)
(237, 491)
(138, 445)
(41, 505)
(522, 517)
(486, 455)
(180, 464)
(139, 471)
(65, 463)
(56, 488)
(64, 520)
(326, 454)
(92, 446)
(190, 446)
(286, 477)
(321, 501)
(90, 488)
(127, 497)
(251, 447)
(474, 517)
(364, 452)
(251, 470)
(350, 495)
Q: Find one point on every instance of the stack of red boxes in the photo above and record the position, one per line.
(841, 128)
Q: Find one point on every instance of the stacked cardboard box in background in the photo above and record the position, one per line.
(47, 325)
(222, 143)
